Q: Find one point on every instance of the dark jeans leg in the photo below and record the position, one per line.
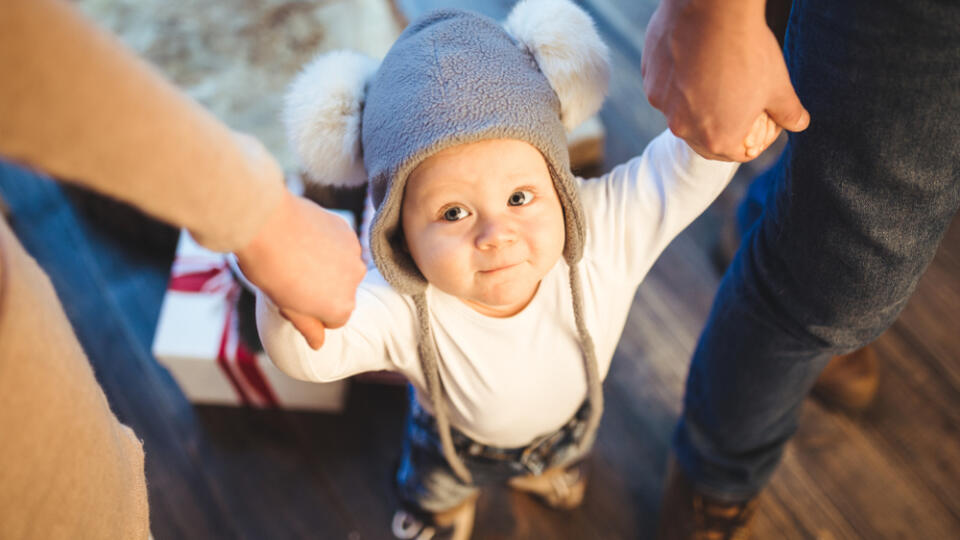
(856, 208)
(755, 199)
(424, 481)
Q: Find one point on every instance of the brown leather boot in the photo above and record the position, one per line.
(686, 514)
(849, 382)
(560, 488)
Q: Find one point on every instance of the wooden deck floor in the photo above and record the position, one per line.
(893, 472)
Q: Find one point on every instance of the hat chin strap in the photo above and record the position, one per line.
(431, 372)
(594, 387)
(429, 364)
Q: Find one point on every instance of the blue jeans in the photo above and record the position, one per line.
(426, 484)
(837, 233)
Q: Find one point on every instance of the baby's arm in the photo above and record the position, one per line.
(635, 210)
(370, 341)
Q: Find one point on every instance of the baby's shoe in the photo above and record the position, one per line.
(559, 487)
(453, 524)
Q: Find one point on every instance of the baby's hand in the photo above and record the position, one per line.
(762, 134)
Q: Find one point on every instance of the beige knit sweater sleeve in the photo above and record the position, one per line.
(77, 104)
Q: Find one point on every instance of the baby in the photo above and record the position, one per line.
(502, 282)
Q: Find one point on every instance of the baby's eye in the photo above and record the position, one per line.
(454, 213)
(520, 198)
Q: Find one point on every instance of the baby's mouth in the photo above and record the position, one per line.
(500, 268)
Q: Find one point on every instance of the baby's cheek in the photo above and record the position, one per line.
(549, 237)
(444, 258)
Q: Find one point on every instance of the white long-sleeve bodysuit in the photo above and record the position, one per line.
(509, 380)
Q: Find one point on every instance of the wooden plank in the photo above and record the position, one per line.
(794, 492)
(865, 482)
(932, 316)
(916, 419)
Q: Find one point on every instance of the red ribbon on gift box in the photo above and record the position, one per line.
(236, 360)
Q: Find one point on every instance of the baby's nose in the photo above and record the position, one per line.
(495, 233)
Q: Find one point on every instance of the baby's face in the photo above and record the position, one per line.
(483, 223)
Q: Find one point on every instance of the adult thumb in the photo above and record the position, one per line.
(787, 111)
(311, 328)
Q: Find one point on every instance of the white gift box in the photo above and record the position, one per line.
(198, 342)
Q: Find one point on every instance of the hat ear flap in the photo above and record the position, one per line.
(322, 112)
(563, 40)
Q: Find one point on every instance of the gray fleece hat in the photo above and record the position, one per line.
(453, 77)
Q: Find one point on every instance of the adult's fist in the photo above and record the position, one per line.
(307, 260)
(716, 71)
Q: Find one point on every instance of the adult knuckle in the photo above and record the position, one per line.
(679, 126)
(343, 316)
(347, 308)
(716, 147)
(359, 271)
(336, 318)
(654, 98)
(720, 143)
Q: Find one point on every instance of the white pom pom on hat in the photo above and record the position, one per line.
(565, 43)
(322, 111)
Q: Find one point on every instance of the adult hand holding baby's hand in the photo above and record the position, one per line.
(716, 71)
(307, 260)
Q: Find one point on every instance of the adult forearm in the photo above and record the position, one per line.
(74, 102)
